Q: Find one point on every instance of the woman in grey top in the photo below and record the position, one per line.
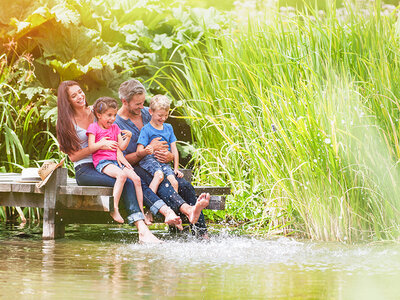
(74, 117)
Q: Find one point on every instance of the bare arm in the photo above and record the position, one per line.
(175, 153)
(134, 157)
(141, 152)
(123, 140)
(159, 148)
(80, 154)
(104, 143)
(91, 142)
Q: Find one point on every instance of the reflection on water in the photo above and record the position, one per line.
(99, 262)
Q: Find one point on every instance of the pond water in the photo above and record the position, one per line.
(103, 262)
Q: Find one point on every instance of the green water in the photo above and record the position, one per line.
(100, 262)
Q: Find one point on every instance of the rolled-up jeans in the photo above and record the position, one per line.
(174, 200)
(86, 174)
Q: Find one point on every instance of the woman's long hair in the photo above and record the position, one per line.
(66, 132)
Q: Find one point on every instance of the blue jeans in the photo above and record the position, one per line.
(86, 174)
(171, 198)
(152, 165)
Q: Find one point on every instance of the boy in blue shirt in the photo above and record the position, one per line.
(159, 110)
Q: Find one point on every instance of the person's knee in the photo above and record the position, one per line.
(159, 176)
(173, 181)
(136, 180)
(121, 176)
(133, 176)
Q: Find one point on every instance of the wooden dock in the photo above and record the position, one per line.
(64, 202)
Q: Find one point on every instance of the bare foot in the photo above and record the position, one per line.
(146, 237)
(202, 202)
(172, 219)
(204, 237)
(116, 216)
(148, 218)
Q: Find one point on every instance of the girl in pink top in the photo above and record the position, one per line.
(112, 162)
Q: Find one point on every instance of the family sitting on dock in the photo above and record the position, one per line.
(130, 149)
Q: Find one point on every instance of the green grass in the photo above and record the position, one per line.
(329, 85)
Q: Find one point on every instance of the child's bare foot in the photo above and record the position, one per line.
(116, 216)
(202, 202)
(172, 219)
(148, 218)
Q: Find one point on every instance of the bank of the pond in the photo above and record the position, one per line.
(106, 262)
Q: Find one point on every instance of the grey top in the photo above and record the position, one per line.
(84, 143)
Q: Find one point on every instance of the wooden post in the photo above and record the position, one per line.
(53, 227)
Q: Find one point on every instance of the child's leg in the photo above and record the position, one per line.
(157, 179)
(138, 186)
(120, 176)
(173, 181)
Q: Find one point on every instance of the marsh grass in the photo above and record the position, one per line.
(300, 116)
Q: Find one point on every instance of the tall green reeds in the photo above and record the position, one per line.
(26, 137)
(300, 116)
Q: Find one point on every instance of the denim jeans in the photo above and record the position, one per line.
(171, 198)
(152, 165)
(86, 174)
(151, 200)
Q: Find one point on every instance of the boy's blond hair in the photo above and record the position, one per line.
(160, 102)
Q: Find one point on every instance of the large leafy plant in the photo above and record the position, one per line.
(101, 43)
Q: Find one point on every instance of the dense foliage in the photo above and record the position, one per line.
(297, 111)
(97, 43)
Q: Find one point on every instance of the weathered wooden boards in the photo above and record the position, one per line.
(65, 202)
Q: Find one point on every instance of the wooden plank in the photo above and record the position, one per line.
(21, 199)
(20, 188)
(79, 202)
(26, 188)
(85, 190)
(213, 190)
(9, 174)
(5, 187)
(216, 203)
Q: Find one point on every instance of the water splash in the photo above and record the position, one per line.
(243, 251)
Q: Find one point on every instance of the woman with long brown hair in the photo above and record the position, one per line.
(74, 117)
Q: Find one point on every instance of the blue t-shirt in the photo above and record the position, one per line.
(148, 133)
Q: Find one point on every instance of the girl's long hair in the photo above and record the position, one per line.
(66, 132)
